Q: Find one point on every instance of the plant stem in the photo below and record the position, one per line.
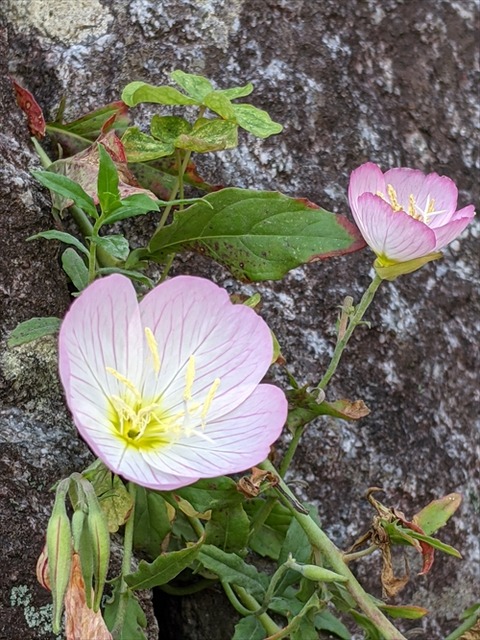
(290, 452)
(354, 322)
(126, 566)
(334, 559)
(252, 605)
(349, 557)
(178, 184)
(166, 268)
(261, 515)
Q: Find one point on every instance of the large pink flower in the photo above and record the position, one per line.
(404, 214)
(167, 391)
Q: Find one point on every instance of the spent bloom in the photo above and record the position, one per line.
(166, 391)
(404, 214)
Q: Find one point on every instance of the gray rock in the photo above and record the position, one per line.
(394, 82)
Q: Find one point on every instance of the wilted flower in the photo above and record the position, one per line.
(405, 215)
(167, 391)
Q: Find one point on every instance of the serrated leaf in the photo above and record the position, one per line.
(137, 92)
(107, 182)
(66, 238)
(213, 135)
(32, 330)
(68, 189)
(134, 620)
(163, 569)
(237, 92)
(256, 121)
(228, 528)
(407, 612)
(152, 523)
(196, 86)
(232, 569)
(168, 128)
(257, 235)
(75, 268)
(141, 147)
(219, 103)
(249, 628)
(116, 246)
(437, 513)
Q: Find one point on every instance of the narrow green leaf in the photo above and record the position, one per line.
(256, 121)
(32, 330)
(257, 235)
(437, 513)
(66, 238)
(107, 182)
(167, 128)
(163, 569)
(141, 147)
(232, 569)
(367, 625)
(237, 92)
(407, 612)
(75, 268)
(249, 628)
(137, 92)
(134, 621)
(116, 246)
(219, 103)
(132, 274)
(151, 522)
(67, 188)
(214, 135)
(196, 86)
(434, 542)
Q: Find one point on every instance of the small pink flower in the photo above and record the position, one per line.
(404, 214)
(167, 391)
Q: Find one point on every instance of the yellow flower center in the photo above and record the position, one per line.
(145, 423)
(413, 209)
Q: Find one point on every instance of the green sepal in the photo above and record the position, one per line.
(392, 271)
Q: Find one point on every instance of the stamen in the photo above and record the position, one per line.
(208, 400)
(412, 206)
(153, 346)
(392, 194)
(189, 378)
(126, 382)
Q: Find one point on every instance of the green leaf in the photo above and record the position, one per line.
(168, 128)
(407, 612)
(137, 204)
(326, 621)
(256, 121)
(268, 540)
(249, 628)
(134, 621)
(228, 528)
(297, 544)
(209, 493)
(67, 188)
(232, 569)
(163, 569)
(257, 235)
(367, 625)
(107, 182)
(32, 330)
(152, 524)
(137, 92)
(141, 147)
(213, 135)
(116, 246)
(75, 268)
(113, 498)
(219, 103)
(437, 544)
(66, 238)
(196, 86)
(437, 513)
(237, 92)
(401, 535)
(132, 274)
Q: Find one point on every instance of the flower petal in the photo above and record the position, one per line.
(368, 178)
(102, 329)
(191, 316)
(392, 234)
(444, 235)
(232, 443)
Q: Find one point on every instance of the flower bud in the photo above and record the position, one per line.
(100, 542)
(318, 574)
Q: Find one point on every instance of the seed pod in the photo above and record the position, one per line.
(319, 574)
(100, 543)
(59, 550)
(84, 548)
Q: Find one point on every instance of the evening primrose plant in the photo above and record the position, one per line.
(163, 375)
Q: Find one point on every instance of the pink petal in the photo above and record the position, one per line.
(191, 316)
(368, 178)
(461, 219)
(392, 234)
(102, 329)
(424, 189)
(237, 440)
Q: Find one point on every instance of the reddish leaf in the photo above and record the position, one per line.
(428, 552)
(31, 108)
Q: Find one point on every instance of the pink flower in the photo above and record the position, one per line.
(404, 214)
(167, 391)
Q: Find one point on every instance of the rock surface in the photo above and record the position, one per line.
(394, 82)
